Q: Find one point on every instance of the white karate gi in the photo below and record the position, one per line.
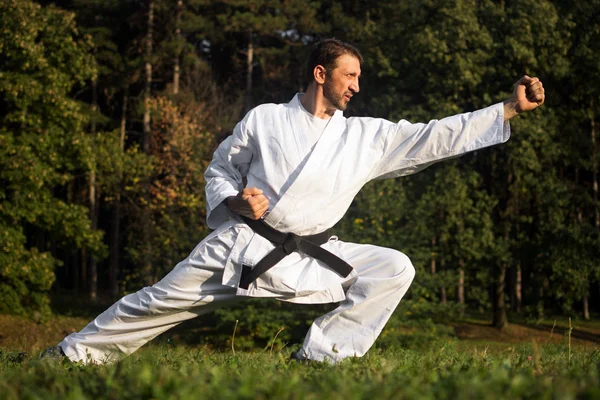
(309, 189)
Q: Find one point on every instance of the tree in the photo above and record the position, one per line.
(263, 28)
(580, 91)
(43, 145)
(180, 149)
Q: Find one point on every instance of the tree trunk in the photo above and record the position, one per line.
(433, 241)
(148, 84)
(75, 267)
(249, 69)
(499, 305)
(146, 263)
(461, 282)
(94, 210)
(443, 290)
(115, 243)
(518, 288)
(586, 311)
(176, 72)
(540, 303)
(93, 266)
(123, 122)
(500, 320)
(594, 169)
(542, 289)
(434, 268)
(83, 283)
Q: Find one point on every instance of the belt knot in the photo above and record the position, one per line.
(291, 243)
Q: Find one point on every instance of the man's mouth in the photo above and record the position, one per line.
(348, 96)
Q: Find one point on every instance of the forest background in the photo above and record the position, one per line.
(111, 111)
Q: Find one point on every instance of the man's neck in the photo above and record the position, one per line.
(315, 103)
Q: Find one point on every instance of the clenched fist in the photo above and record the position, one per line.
(250, 203)
(527, 95)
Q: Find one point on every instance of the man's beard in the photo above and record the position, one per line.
(336, 100)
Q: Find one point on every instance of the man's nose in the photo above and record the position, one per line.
(354, 86)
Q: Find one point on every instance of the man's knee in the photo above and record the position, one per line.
(402, 266)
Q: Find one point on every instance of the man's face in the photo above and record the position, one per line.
(342, 83)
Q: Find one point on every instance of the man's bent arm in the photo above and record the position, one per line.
(250, 203)
(224, 175)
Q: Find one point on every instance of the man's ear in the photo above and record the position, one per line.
(319, 73)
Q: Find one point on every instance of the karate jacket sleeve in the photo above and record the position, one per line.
(224, 175)
(408, 148)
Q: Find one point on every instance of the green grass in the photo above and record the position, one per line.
(413, 359)
(446, 370)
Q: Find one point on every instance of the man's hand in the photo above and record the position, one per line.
(527, 95)
(250, 203)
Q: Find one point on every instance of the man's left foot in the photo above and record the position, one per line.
(54, 353)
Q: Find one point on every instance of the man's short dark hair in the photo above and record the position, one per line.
(326, 53)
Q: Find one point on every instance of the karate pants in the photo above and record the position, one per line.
(383, 277)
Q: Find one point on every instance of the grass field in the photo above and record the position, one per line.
(476, 362)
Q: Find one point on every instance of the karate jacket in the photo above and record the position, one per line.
(310, 188)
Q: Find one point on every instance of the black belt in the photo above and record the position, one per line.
(286, 243)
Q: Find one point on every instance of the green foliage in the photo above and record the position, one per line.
(174, 207)
(529, 205)
(573, 260)
(259, 321)
(41, 147)
(505, 206)
(443, 371)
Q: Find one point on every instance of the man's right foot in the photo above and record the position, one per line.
(299, 356)
(54, 353)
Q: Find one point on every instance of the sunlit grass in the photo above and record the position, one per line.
(446, 370)
(412, 359)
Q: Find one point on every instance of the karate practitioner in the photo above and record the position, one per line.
(295, 168)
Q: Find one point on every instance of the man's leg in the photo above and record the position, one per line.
(383, 277)
(192, 288)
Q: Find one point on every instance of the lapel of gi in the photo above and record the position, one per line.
(311, 170)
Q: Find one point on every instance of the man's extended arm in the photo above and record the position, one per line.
(410, 147)
(527, 95)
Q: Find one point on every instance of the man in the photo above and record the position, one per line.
(295, 168)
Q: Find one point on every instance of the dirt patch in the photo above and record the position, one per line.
(515, 333)
(22, 334)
